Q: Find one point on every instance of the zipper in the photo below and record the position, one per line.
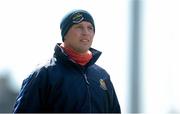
(85, 77)
(89, 94)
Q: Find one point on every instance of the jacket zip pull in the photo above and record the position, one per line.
(89, 95)
(86, 79)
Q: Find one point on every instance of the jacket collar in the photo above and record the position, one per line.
(61, 56)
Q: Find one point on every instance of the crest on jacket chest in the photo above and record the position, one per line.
(103, 84)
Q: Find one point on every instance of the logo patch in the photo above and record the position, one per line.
(103, 84)
(77, 18)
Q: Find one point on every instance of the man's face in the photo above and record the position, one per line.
(80, 37)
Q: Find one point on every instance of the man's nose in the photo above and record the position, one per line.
(85, 31)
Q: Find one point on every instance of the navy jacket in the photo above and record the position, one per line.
(64, 86)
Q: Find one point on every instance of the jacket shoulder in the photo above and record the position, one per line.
(100, 71)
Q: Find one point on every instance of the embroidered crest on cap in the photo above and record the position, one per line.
(103, 84)
(77, 18)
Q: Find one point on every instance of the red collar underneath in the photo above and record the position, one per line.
(81, 59)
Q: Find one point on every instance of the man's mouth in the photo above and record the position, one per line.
(84, 40)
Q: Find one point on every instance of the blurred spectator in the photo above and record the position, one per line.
(7, 94)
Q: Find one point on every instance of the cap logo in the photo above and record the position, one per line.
(103, 84)
(77, 18)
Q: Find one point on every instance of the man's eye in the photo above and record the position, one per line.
(91, 28)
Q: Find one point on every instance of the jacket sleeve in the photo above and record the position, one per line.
(33, 93)
(114, 103)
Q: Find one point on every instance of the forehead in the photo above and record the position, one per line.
(83, 23)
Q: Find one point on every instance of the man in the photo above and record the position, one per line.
(70, 81)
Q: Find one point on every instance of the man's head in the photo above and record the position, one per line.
(77, 30)
(74, 17)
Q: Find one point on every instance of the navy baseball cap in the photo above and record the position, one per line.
(75, 17)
